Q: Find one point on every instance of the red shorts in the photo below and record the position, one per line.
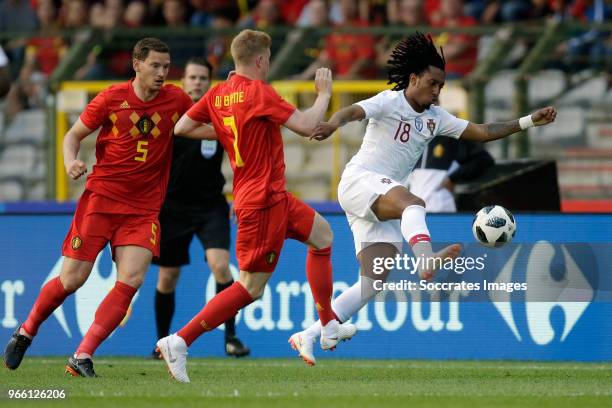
(262, 232)
(99, 219)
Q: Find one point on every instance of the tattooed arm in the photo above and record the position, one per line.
(493, 131)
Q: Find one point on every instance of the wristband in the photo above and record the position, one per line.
(526, 122)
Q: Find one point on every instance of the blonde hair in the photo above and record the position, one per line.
(249, 44)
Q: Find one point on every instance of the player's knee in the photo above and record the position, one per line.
(220, 269)
(166, 285)
(254, 286)
(72, 283)
(414, 200)
(133, 279)
(256, 291)
(324, 236)
(167, 280)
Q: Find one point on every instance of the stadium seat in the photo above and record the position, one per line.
(608, 99)
(589, 93)
(352, 133)
(545, 85)
(37, 191)
(321, 159)
(27, 126)
(11, 190)
(499, 115)
(294, 158)
(568, 128)
(317, 190)
(500, 90)
(585, 173)
(17, 160)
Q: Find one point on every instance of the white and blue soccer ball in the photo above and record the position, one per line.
(494, 226)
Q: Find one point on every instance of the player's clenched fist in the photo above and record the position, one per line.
(323, 81)
(75, 169)
(544, 116)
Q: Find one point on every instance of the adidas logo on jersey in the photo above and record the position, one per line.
(124, 105)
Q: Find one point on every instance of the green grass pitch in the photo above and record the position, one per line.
(139, 382)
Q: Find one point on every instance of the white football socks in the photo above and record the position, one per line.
(415, 231)
(348, 303)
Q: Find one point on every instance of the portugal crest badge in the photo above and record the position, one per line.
(431, 126)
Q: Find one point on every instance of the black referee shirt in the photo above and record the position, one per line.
(196, 181)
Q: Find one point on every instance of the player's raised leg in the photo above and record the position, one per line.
(132, 264)
(399, 204)
(73, 275)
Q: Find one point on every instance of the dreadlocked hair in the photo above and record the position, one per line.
(413, 55)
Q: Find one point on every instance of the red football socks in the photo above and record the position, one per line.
(51, 296)
(110, 313)
(220, 308)
(319, 275)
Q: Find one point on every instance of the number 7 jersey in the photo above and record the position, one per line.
(247, 115)
(397, 135)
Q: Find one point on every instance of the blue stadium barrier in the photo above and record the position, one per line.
(31, 245)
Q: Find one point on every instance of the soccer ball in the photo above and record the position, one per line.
(494, 226)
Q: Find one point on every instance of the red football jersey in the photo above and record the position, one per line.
(134, 146)
(247, 115)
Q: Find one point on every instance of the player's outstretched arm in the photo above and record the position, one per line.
(187, 127)
(303, 123)
(323, 130)
(493, 131)
(71, 145)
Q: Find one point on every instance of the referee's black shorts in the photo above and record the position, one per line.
(210, 225)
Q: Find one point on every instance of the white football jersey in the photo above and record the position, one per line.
(396, 135)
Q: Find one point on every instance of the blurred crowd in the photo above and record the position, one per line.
(52, 27)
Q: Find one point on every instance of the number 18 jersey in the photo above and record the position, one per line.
(397, 135)
(247, 115)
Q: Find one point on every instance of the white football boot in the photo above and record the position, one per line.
(329, 335)
(303, 341)
(303, 344)
(344, 331)
(174, 351)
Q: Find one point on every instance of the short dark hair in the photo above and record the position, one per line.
(200, 61)
(146, 45)
(413, 55)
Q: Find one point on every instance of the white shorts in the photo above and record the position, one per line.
(357, 191)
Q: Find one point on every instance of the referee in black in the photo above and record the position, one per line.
(445, 162)
(194, 205)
